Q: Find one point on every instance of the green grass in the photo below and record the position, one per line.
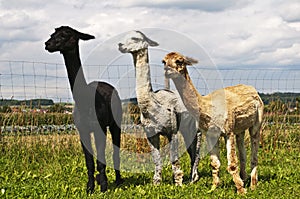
(52, 166)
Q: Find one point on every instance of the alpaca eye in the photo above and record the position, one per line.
(179, 63)
(135, 39)
(164, 62)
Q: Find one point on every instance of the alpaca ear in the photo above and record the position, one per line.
(84, 36)
(151, 42)
(190, 61)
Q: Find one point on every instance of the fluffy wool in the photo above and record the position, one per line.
(226, 112)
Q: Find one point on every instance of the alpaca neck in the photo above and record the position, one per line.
(189, 95)
(74, 70)
(143, 79)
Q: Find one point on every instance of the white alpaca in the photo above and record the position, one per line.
(227, 112)
(162, 111)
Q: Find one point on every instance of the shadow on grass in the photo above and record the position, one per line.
(137, 179)
(267, 177)
(132, 180)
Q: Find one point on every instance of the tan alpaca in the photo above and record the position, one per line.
(225, 112)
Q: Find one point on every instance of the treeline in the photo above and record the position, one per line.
(32, 103)
(290, 98)
(35, 105)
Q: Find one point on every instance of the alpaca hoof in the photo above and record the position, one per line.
(178, 177)
(102, 181)
(194, 178)
(242, 191)
(90, 188)
(254, 178)
(252, 187)
(104, 187)
(178, 182)
(253, 183)
(156, 181)
(119, 181)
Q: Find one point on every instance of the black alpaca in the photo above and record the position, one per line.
(98, 106)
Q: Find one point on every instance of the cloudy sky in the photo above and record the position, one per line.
(233, 33)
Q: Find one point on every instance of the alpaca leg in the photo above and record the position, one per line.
(232, 164)
(192, 143)
(100, 142)
(242, 155)
(195, 176)
(213, 149)
(86, 144)
(254, 136)
(115, 130)
(116, 138)
(154, 146)
(178, 173)
(189, 130)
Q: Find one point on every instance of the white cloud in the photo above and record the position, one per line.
(212, 5)
(285, 57)
(288, 11)
(27, 4)
(232, 32)
(243, 33)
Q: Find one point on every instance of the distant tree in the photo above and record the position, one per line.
(29, 103)
(57, 108)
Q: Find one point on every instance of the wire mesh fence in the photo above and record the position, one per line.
(39, 80)
(22, 80)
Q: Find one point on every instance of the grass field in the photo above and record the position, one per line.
(52, 166)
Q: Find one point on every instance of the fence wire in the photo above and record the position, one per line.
(40, 80)
(24, 80)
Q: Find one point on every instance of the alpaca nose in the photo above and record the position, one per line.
(167, 69)
(121, 48)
